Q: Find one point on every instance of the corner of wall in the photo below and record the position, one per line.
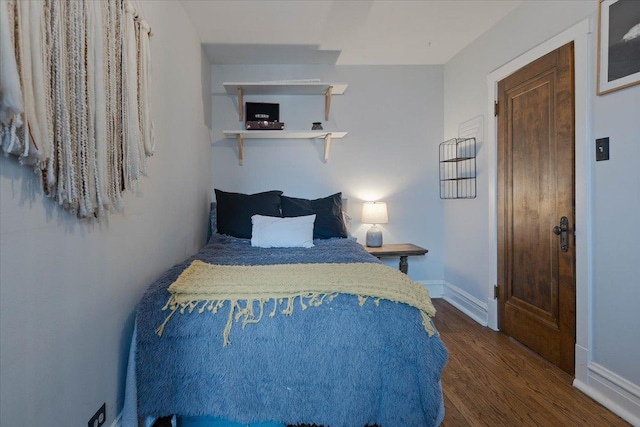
(467, 303)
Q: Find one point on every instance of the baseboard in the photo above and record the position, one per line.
(492, 313)
(118, 421)
(465, 302)
(434, 287)
(581, 364)
(612, 391)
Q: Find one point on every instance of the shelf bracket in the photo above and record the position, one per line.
(327, 147)
(240, 104)
(327, 103)
(240, 139)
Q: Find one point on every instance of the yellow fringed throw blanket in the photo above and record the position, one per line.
(209, 286)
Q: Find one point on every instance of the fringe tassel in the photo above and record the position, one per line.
(236, 312)
(75, 98)
(160, 329)
(428, 325)
(227, 328)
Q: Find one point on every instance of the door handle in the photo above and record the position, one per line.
(563, 231)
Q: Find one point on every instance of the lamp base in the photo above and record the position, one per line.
(374, 237)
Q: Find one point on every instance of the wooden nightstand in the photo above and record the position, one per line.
(403, 250)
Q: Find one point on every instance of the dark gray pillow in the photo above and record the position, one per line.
(234, 210)
(328, 210)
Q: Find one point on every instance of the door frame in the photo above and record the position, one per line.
(579, 34)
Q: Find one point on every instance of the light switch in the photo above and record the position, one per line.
(602, 149)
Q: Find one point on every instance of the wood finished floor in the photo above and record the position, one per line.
(492, 380)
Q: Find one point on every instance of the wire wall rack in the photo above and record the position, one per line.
(458, 168)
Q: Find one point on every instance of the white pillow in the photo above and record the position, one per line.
(276, 232)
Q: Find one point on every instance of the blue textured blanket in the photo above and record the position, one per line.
(338, 364)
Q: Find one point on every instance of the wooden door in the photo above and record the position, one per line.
(536, 276)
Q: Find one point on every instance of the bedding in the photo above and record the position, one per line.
(234, 210)
(328, 210)
(350, 361)
(228, 210)
(276, 232)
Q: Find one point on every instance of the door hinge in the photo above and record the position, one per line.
(495, 291)
(496, 108)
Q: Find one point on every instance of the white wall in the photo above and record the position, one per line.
(394, 118)
(616, 234)
(68, 288)
(613, 343)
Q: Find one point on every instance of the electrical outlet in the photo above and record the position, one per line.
(99, 417)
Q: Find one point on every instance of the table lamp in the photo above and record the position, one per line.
(374, 213)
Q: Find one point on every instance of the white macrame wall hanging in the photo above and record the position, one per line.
(74, 98)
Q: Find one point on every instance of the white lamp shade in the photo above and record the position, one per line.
(374, 213)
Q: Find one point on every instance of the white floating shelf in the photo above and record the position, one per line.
(241, 135)
(285, 88)
(282, 134)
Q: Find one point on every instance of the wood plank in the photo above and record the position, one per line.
(396, 249)
(282, 134)
(327, 103)
(285, 88)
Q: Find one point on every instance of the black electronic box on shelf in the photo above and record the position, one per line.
(263, 116)
(263, 125)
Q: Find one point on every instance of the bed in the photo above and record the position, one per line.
(343, 357)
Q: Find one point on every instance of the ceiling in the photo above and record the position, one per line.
(342, 32)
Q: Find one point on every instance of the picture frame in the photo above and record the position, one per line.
(618, 45)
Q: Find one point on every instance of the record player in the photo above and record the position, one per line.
(263, 116)
(263, 125)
